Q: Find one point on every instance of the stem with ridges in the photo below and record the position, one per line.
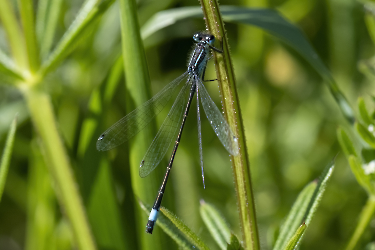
(41, 112)
(364, 219)
(240, 163)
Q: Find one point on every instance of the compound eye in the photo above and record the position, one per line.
(212, 37)
(197, 37)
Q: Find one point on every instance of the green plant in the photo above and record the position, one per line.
(68, 81)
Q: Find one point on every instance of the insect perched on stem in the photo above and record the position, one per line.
(174, 123)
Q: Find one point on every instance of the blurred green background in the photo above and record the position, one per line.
(289, 115)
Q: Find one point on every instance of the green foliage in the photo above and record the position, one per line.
(234, 243)
(302, 212)
(215, 224)
(62, 68)
(293, 242)
(7, 153)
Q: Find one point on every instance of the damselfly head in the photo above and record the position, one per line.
(206, 38)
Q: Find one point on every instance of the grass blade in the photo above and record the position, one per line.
(46, 24)
(364, 220)
(293, 242)
(27, 19)
(215, 224)
(13, 30)
(345, 143)
(138, 91)
(234, 243)
(8, 68)
(5, 158)
(295, 216)
(88, 14)
(365, 134)
(176, 229)
(304, 208)
(366, 118)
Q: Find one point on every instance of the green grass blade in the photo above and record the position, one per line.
(138, 91)
(5, 158)
(193, 238)
(345, 143)
(166, 18)
(28, 24)
(295, 216)
(319, 191)
(46, 24)
(108, 230)
(365, 218)
(176, 229)
(234, 243)
(215, 224)
(365, 134)
(97, 184)
(100, 100)
(304, 208)
(88, 14)
(366, 118)
(362, 178)
(276, 25)
(8, 68)
(293, 242)
(14, 34)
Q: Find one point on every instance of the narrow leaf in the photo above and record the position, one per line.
(176, 229)
(88, 14)
(345, 143)
(193, 238)
(14, 34)
(27, 18)
(46, 23)
(7, 152)
(319, 191)
(363, 112)
(359, 173)
(8, 68)
(293, 242)
(306, 205)
(369, 19)
(215, 224)
(234, 243)
(295, 216)
(365, 134)
(365, 218)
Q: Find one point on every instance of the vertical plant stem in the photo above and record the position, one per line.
(240, 163)
(364, 220)
(41, 112)
(138, 87)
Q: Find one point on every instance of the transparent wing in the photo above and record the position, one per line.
(167, 132)
(200, 136)
(136, 120)
(217, 121)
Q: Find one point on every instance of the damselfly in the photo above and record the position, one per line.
(174, 123)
